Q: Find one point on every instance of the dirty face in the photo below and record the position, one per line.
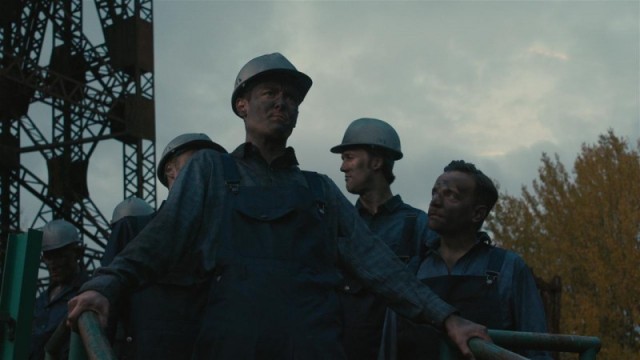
(452, 207)
(270, 110)
(62, 263)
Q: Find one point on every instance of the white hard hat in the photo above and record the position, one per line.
(269, 64)
(59, 233)
(193, 141)
(133, 206)
(371, 132)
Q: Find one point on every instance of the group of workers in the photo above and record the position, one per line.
(251, 257)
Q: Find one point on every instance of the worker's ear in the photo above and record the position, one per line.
(480, 213)
(241, 107)
(376, 162)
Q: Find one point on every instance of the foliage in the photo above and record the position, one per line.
(586, 229)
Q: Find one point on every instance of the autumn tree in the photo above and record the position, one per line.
(584, 227)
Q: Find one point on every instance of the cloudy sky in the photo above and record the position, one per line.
(496, 83)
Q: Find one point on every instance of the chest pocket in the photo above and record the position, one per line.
(266, 206)
(476, 297)
(282, 223)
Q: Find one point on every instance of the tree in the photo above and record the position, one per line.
(584, 227)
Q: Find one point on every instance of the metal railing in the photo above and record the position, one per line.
(586, 347)
(485, 350)
(91, 343)
(17, 293)
(96, 346)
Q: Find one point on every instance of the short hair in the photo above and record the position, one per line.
(485, 192)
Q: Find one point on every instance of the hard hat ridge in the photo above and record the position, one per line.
(371, 132)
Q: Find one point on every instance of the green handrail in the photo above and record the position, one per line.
(97, 346)
(92, 343)
(94, 338)
(586, 346)
(18, 293)
(485, 350)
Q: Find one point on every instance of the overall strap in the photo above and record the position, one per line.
(230, 173)
(314, 181)
(408, 232)
(496, 259)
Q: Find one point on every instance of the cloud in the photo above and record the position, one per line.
(541, 50)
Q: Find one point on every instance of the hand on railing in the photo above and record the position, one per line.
(94, 342)
(460, 331)
(586, 346)
(88, 301)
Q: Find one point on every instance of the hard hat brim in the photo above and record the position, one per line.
(339, 149)
(299, 79)
(199, 144)
(56, 247)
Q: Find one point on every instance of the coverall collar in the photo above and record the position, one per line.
(249, 151)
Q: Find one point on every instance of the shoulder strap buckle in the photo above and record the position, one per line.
(315, 185)
(231, 174)
(492, 276)
(496, 259)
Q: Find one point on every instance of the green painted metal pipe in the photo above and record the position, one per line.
(543, 341)
(93, 337)
(485, 350)
(98, 347)
(77, 350)
(18, 293)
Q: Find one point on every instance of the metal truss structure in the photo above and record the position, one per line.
(95, 93)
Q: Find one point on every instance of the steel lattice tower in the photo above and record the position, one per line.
(95, 93)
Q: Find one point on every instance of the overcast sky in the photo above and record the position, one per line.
(496, 83)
